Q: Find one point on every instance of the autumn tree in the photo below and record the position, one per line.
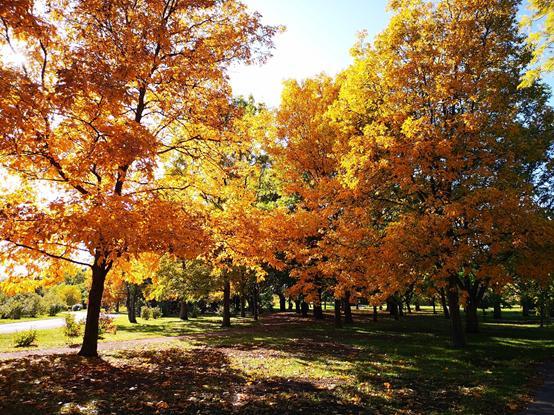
(540, 23)
(108, 93)
(305, 158)
(442, 147)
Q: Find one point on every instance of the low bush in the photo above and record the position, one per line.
(146, 313)
(156, 312)
(72, 327)
(25, 338)
(106, 324)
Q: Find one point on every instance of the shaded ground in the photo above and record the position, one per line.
(288, 365)
(543, 401)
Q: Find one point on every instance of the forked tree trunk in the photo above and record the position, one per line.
(347, 309)
(338, 319)
(89, 347)
(458, 337)
(226, 304)
(184, 311)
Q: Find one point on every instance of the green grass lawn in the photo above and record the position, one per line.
(167, 326)
(287, 364)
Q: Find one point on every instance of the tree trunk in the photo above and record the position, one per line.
(444, 304)
(242, 305)
(417, 306)
(184, 311)
(304, 309)
(408, 307)
(458, 338)
(297, 306)
(290, 304)
(255, 307)
(374, 313)
(392, 306)
(117, 307)
(497, 310)
(347, 309)
(318, 312)
(89, 347)
(338, 320)
(472, 321)
(226, 304)
(131, 302)
(282, 302)
(433, 304)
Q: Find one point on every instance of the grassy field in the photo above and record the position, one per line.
(287, 364)
(167, 326)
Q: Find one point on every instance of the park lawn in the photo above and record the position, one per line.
(287, 364)
(166, 326)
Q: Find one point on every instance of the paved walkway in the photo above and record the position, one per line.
(48, 323)
(543, 404)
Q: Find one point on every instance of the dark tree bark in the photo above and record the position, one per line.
(392, 307)
(255, 306)
(305, 308)
(290, 304)
(131, 302)
(375, 313)
(318, 311)
(117, 307)
(347, 309)
(433, 304)
(282, 302)
(338, 318)
(475, 292)
(100, 269)
(242, 305)
(417, 306)
(444, 303)
(297, 306)
(497, 309)
(226, 304)
(458, 337)
(184, 310)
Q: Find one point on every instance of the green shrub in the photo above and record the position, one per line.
(156, 312)
(72, 327)
(194, 310)
(25, 338)
(106, 324)
(146, 313)
(52, 303)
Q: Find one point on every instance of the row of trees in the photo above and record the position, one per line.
(423, 167)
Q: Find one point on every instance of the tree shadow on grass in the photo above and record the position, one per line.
(170, 381)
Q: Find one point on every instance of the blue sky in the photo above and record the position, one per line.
(318, 39)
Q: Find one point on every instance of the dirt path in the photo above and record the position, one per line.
(543, 404)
